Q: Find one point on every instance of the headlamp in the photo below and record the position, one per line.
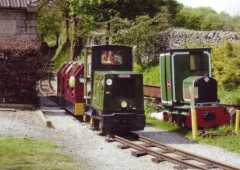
(124, 104)
(109, 82)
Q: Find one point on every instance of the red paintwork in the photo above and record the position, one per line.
(75, 95)
(72, 95)
(66, 78)
(221, 117)
(60, 79)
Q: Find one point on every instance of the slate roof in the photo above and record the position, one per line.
(18, 4)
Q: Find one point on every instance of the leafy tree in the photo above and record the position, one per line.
(226, 61)
(144, 34)
(204, 19)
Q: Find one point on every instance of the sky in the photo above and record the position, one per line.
(229, 6)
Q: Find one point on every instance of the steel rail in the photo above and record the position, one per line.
(189, 155)
(158, 155)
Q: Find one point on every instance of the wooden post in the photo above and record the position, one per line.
(193, 114)
(237, 122)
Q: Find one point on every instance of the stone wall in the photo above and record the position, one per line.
(17, 24)
(180, 38)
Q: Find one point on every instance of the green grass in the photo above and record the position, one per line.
(30, 154)
(152, 75)
(167, 126)
(225, 138)
(229, 97)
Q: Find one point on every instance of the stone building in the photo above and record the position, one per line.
(19, 51)
(18, 19)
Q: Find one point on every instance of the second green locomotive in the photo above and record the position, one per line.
(185, 69)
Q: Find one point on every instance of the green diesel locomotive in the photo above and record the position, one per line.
(185, 69)
(113, 93)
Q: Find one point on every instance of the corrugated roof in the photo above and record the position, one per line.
(20, 4)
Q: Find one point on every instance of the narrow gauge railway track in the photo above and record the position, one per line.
(151, 91)
(161, 152)
(46, 88)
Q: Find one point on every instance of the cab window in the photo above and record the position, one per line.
(110, 57)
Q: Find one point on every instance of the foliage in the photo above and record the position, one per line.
(226, 62)
(29, 154)
(152, 75)
(131, 9)
(205, 19)
(144, 34)
(229, 96)
(49, 22)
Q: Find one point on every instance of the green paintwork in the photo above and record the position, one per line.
(175, 67)
(187, 83)
(98, 90)
(169, 80)
(104, 98)
(166, 77)
(182, 71)
(163, 77)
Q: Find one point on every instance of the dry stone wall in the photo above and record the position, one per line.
(179, 38)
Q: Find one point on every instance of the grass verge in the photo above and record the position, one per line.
(229, 97)
(30, 154)
(221, 137)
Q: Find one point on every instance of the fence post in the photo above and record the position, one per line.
(237, 122)
(193, 114)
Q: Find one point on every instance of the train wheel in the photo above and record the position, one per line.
(86, 118)
(101, 128)
(94, 123)
(170, 118)
(166, 116)
(80, 118)
(183, 122)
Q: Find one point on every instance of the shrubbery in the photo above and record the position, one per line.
(226, 62)
(206, 19)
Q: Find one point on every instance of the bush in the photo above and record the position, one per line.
(226, 62)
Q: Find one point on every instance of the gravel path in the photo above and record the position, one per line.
(91, 151)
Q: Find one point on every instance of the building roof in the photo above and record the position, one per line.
(29, 5)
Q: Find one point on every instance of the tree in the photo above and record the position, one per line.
(226, 61)
(205, 19)
(144, 34)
